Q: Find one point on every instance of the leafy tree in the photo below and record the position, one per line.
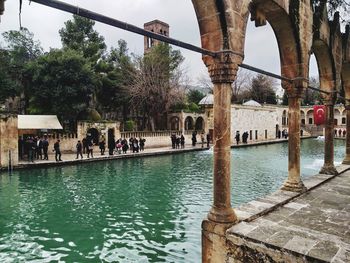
(79, 34)
(8, 87)
(195, 96)
(341, 6)
(114, 75)
(156, 83)
(20, 48)
(60, 82)
(262, 90)
(312, 97)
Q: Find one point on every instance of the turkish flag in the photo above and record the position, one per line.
(319, 114)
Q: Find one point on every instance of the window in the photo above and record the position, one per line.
(265, 134)
(256, 135)
(250, 135)
(303, 121)
(310, 120)
(343, 120)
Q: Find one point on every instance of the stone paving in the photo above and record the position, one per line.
(291, 227)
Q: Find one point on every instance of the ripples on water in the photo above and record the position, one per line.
(140, 210)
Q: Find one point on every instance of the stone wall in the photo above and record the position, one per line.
(8, 140)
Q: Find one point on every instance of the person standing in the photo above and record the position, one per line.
(31, 149)
(237, 137)
(194, 138)
(79, 148)
(102, 147)
(182, 141)
(90, 150)
(39, 148)
(45, 148)
(142, 144)
(202, 139)
(208, 139)
(85, 146)
(57, 150)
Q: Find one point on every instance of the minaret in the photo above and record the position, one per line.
(158, 27)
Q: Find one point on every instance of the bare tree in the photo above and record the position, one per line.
(242, 84)
(157, 84)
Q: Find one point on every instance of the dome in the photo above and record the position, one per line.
(207, 100)
(252, 103)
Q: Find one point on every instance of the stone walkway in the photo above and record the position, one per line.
(70, 158)
(287, 227)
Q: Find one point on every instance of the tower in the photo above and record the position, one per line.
(158, 27)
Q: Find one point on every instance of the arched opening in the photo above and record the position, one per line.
(284, 118)
(302, 117)
(337, 117)
(199, 124)
(189, 123)
(175, 123)
(94, 135)
(310, 117)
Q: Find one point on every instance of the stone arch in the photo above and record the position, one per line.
(94, 135)
(189, 123)
(199, 126)
(175, 123)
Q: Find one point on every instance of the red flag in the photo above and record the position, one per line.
(319, 114)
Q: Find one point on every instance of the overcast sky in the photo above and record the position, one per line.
(260, 49)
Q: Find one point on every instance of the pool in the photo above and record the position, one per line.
(133, 210)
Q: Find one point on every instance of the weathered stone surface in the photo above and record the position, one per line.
(313, 227)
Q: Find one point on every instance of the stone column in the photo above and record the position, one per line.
(347, 156)
(294, 182)
(221, 215)
(328, 167)
(222, 74)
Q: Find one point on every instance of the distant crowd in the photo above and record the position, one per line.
(179, 141)
(37, 147)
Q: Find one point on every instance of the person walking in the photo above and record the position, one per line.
(46, 148)
(79, 148)
(57, 150)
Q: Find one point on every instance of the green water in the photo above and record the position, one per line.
(136, 210)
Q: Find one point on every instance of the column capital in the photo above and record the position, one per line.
(296, 88)
(224, 66)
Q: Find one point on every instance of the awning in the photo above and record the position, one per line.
(38, 122)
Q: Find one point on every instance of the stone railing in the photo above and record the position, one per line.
(143, 134)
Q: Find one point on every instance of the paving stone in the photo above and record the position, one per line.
(300, 244)
(324, 250)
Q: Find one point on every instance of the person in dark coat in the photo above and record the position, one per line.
(182, 141)
(194, 138)
(173, 140)
(85, 145)
(142, 144)
(208, 139)
(102, 146)
(135, 146)
(31, 149)
(177, 142)
(46, 148)
(237, 137)
(79, 148)
(39, 148)
(111, 145)
(90, 148)
(57, 150)
(125, 146)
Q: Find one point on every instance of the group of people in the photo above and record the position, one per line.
(245, 136)
(114, 147)
(339, 133)
(284, 134)
(36, 148)
(176, 141)
(179, 141)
